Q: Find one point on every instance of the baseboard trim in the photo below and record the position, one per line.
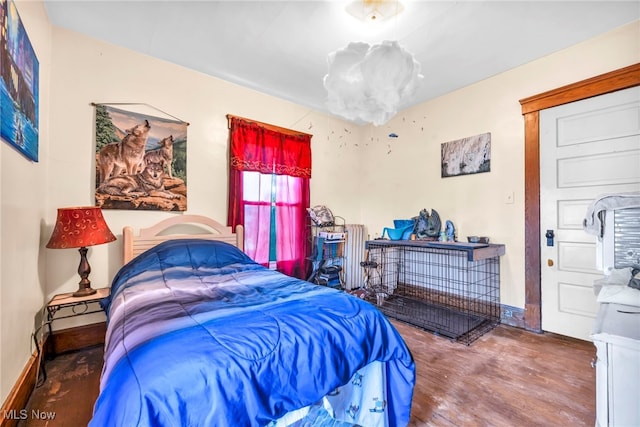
(512, 316)
(73, 339)
(14, 406)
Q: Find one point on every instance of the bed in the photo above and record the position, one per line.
(198, 334)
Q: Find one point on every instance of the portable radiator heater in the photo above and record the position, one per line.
(354, 254)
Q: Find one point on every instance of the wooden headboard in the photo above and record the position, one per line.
(206, 228)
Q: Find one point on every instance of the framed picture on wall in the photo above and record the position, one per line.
(141, 161)
(466, 156)
(19, 84)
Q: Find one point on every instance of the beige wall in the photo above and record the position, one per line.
(359, 172)
(23, 216)
(82, 71)
(403, 174)
(86, 71)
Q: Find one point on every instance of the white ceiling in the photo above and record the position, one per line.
(281, 47)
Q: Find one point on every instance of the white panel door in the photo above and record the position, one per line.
(587, 148)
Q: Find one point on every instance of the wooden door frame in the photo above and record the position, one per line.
(605, 83)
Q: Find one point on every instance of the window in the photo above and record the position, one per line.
(269, 172)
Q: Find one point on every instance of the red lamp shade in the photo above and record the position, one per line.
(80, 227)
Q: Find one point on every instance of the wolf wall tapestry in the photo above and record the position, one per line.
(19, 87)
(141, 161)
(466, 156)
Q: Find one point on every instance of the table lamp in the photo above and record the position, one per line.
(79, 227)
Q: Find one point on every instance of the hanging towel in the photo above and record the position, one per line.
(594, 219)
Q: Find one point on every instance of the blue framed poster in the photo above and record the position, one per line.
(19, 84)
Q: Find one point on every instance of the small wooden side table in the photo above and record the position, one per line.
(79, 306)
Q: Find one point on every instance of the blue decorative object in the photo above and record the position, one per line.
(450, 231)
(427, 225)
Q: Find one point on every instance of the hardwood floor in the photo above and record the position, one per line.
(66, 398)
(508, 377)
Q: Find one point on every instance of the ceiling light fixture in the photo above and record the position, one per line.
(374, 10)
(367, 84)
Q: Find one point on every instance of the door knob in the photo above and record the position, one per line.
(549, 235)
(550, 262)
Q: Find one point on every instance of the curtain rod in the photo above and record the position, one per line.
(268, 126)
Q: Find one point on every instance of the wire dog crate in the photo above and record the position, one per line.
(451, 289)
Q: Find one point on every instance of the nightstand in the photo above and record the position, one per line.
(79, 305)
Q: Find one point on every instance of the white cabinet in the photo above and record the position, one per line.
(617, 340)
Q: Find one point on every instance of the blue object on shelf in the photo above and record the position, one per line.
(402, 223)
(407, 225)
(402, 231)
(450, 231)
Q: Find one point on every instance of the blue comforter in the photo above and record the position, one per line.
(200, 335)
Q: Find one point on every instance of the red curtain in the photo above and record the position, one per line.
(254, 148)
